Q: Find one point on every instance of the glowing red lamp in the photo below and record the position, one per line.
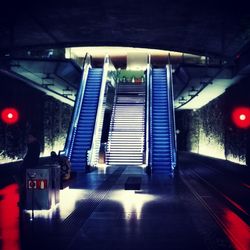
(10, 115)
(241, 117)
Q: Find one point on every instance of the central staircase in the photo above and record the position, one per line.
(127, 128)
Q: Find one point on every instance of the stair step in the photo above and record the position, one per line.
(129, 139)
(125, 161)
(122, 162)
(120, 145)
(126, 140)
(127, 157)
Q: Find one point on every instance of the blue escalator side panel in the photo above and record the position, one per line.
(86, 123)
(161, 151)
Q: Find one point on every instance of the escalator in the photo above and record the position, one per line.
(141, 130)
(86, 122)
(161, 124)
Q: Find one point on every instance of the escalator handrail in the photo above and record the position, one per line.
(77, 107)
(171, 113)
(150, 118)
(99, 118)
(148, 108)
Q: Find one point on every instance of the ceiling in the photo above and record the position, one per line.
(57, 78)
(217, 30)
(199, 27)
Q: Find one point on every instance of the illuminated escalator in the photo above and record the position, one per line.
(161, 147)
(86, 122)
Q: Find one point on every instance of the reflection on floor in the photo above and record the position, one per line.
(95, 212)
(9, 217)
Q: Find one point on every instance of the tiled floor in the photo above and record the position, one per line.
(95, 212)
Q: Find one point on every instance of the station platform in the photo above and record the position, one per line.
(205, 205)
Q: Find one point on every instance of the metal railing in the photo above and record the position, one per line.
(93, 153)
(171, 114)
(112, 119)
(77, 108)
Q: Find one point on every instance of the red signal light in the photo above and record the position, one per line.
(10, 115)
(241, 117)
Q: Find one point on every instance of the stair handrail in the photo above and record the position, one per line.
(171, 113)
(111, 126)
(148, 105)
(96, 142)
(77, 107)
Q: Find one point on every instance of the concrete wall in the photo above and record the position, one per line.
(47, 116)
(210, 130)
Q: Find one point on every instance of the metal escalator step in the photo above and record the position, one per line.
(79, 155)
(161, 161)
(83, 141)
